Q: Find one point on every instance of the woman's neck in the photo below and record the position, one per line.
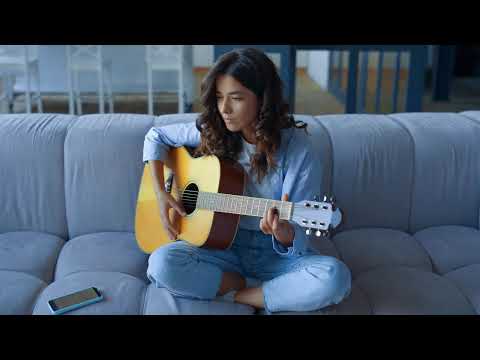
(249, 136)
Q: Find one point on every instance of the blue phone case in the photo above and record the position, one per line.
(75, 306)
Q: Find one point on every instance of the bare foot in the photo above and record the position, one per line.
(250, 296)
(231, 281)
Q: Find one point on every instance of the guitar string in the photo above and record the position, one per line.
(192, 195)
(191, 198)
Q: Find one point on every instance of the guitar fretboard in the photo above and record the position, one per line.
(242, 205)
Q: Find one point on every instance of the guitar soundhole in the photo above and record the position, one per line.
(189, 198)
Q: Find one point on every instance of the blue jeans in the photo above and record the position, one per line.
(303, 283)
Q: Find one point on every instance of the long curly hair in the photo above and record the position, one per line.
(255, 71)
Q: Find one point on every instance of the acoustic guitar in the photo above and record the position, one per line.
(211, 192)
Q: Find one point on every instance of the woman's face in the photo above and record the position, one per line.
(238, 106)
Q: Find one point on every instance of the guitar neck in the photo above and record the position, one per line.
(242, 205)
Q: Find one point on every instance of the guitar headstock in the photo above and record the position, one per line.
(317, 216)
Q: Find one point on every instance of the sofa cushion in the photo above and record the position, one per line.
(408, 291)
(158, 301)
(445, 188)
(366, 249)
(103, 169)
(451, 247)
(354, 304)
(18, 292)
(123, 294)
(467, 279)
(109, 251)
(474, 115)
(32, 173)
(323, 246)
(372, 170)
(30, 252)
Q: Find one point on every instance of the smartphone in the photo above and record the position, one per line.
(75, 300)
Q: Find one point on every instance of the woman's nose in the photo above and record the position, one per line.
(225, 108)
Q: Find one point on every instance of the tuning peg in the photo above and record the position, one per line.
(308, 231)
(333, 201)
(319, 233)
(316, 198)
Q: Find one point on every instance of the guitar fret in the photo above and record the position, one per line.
(243, 205)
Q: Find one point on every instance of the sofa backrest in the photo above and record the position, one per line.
(446, 185)
(406, 171)
(71, 176)
(372, 170)
(32, 194)
(103, 169)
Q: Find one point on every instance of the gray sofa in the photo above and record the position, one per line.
(409, 185)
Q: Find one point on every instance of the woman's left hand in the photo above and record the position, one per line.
(281, 229)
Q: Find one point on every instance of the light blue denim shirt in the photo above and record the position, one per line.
(298, 172)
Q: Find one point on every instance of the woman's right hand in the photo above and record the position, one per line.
(170, 210)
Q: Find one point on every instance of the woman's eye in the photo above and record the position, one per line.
(237, 99)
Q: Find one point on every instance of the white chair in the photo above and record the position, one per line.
(177, 58)
(88, 58)
(19, 60)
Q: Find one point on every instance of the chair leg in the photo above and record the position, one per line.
(101, 100)
(110, 89)
(28, 99)
(77, 92)
(150, 90)
(71, 105)
(3, 95)
(181, 99)
(39, 97)
(11, 93)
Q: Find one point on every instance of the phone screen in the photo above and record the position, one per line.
(74, 298)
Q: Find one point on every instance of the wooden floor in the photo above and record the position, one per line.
(310, 99)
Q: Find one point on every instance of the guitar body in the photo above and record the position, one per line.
(200, 227)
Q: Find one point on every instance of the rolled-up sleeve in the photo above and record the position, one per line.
(302, 182)
(159, 140)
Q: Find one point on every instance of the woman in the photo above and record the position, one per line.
(246, 119)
